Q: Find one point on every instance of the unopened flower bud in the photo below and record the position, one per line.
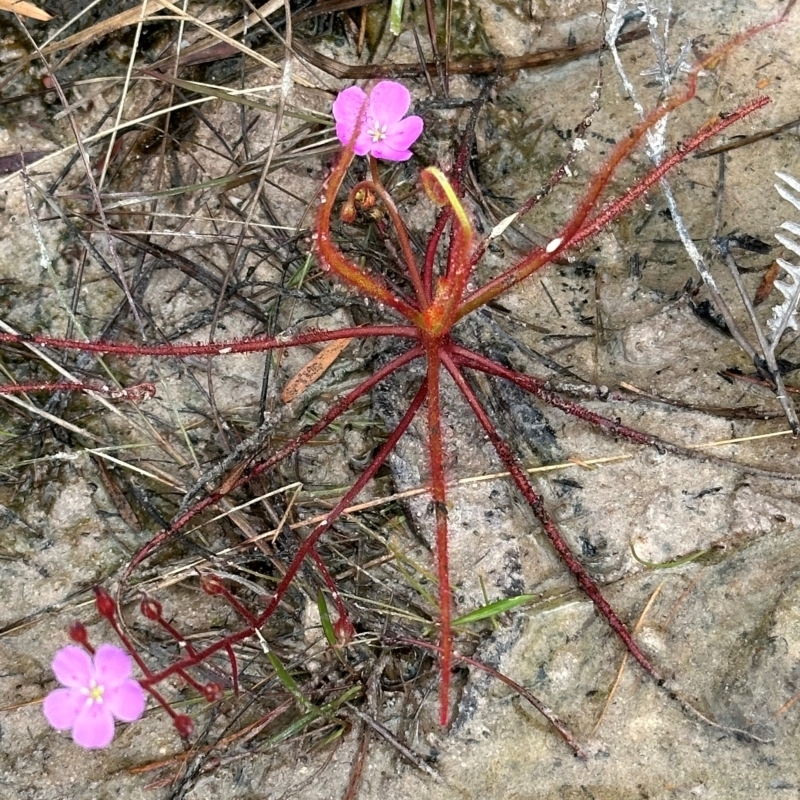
(344, 631)
(212, 692)
(151, 608)
(348, 212)
(105, 603)
(184, 725)
(78, 633)
(211, 584)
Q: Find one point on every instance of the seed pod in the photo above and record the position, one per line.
(212, 692)
(151, 608)
(184, 725)
(78, 633)
(105, 604)
(211, 584)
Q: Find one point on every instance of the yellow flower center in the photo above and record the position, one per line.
(94, 692)
(377, 132)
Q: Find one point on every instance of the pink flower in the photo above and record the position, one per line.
(378, 118)
(97, 692)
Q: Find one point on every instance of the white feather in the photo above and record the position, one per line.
(784, 315)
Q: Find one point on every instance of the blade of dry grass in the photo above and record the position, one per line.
(25, 9)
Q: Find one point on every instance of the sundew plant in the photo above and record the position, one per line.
(412, 292)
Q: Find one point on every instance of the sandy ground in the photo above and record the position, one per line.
(723, 629)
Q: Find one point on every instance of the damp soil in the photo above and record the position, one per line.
(723, 626)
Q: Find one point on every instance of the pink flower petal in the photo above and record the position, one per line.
(380, 150)
(403, 134)
(73, 667)
(125, 702)
(112, 666)
(363, 142)
(94, 726)
(62, 706)
(348, 108)
(389, 101)
(373, 124)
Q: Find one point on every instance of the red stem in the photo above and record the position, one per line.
(577, 229)
(345, 501)
(306, 547)
(614, 209)
(540, 389)
(232, 347)
(546, 712)
(402, 236)
(534, 500)
(456, 181)
(332, 259)
(335, 411)
(108, 610)
(439, 498)
(432, 247)
(451, 287)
